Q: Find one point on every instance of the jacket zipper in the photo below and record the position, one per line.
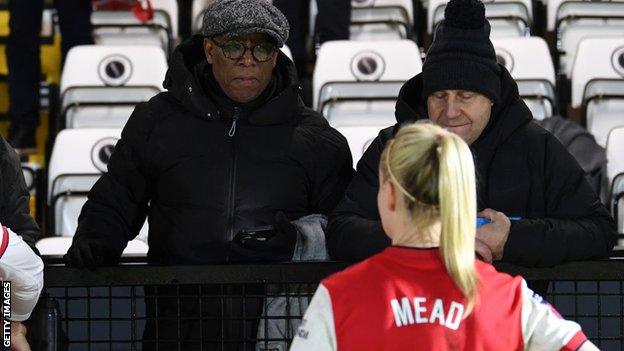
(231, 193)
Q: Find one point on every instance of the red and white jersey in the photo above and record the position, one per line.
(24, 269)
(404, 299)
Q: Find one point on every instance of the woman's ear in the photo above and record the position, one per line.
(389, 196)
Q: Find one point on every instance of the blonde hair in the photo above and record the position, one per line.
(434, 171)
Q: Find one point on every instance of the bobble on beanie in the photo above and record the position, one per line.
(467, 14)
(462, 56)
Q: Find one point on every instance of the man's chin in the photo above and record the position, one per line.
(243, 97)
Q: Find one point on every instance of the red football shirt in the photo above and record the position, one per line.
(404, 299)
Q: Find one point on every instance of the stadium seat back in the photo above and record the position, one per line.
(78, 159)
(615, 174)
(381, 19)
(360, 81)
(123, 28)
(598, 84)
(101, 84)
(360, 138)
(577, 20)
(508, 18)
(529, 62)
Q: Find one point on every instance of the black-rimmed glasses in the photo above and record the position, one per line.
(234, 50)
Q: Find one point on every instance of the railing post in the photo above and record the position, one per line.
(44, 327)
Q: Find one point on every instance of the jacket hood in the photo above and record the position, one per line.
(181, 82)
(507, 116)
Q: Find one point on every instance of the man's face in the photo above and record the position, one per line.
(242, 79)
(464, 113)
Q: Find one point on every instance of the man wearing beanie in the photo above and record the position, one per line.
(229, 147)
(542, 210)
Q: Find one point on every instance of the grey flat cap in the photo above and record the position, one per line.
(240, 17)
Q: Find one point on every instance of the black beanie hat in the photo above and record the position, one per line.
(462, 56)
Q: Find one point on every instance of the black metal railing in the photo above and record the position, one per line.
(258, 307)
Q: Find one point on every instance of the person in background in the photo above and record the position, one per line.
(24, 66)
(229, 148)
(427, 291)
(540, 208)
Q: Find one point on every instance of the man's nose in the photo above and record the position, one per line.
(247, 59)
(452, 109)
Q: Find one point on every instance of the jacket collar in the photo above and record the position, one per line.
(183, 84)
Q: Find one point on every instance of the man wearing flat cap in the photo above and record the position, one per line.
(230, 146)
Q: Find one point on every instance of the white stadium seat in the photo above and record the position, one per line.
(101, 84)
(29, 170)
(356, 84)
(376, 19)
(615, 173)
(78, 159)
(598, 85)
(197, 13)
(529, 62)
(508, 18)
(381, 19)
(123, 28)
(359, 138)
(572, 21)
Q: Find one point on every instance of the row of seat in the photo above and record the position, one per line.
(571, 21)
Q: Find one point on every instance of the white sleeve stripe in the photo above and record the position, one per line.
(5, 241)
(317, 330)
(542, 328)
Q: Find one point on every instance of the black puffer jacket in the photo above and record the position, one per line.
(522, 170)
(14, 203)
(200, 176)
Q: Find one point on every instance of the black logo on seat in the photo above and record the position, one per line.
(368, 66)
(618, 60)
(102, 152)
(115, 70)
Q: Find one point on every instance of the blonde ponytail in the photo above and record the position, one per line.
(458, 211)
(434, 171)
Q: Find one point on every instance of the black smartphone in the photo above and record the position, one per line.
(261, 234)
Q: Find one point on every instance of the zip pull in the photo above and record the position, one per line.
(233, 127)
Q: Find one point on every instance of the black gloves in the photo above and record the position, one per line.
(92, 253)
(278, 248)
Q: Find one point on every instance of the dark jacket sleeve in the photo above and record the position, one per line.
(332, 170)
(15, 213)
(355, 230)
(577, 226)
(117, 204)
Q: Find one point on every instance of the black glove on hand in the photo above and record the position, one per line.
(279, 248)
(91, 253)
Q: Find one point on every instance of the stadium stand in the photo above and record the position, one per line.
(101, 84)
(529, 62)
(598, 85)
(573, 21)
(124, 28)
(508, 18)
(377, 19)
(356, 84)
(78, 159)
(381, 19)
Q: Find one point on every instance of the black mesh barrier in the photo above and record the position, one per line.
(258, 307)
